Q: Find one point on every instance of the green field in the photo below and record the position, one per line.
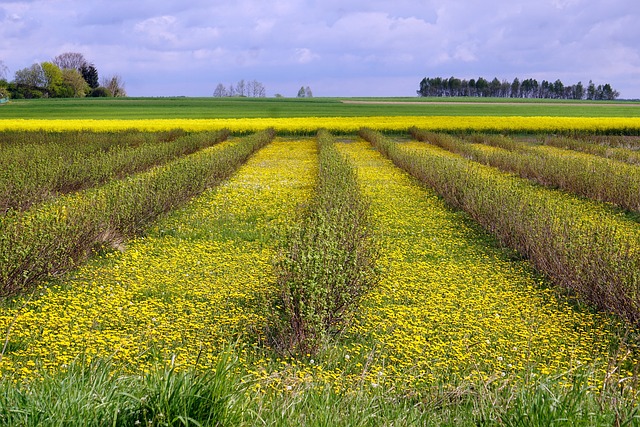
(204, 108)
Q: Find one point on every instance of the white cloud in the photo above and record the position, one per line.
(204, 42)
(304, 55)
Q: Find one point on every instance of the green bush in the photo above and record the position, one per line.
(100, 92)
(328, 263)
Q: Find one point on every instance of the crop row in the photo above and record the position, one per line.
(580, 245)
(455, 332)
(328, 262)
(626, 151)
(310, 125)
(183, 291)
(53, 237)
(34, 172)
(583, 174)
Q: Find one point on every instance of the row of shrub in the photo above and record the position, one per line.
(579, 244)
(54, 236)
(582, 174)
(620, 150)
(327, 263)
(32, 173)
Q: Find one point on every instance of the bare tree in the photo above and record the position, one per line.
(115, 84)
(71, 60)
(240, 88)
(256, 89)
(307, 92)
(220, 91)
(3, 70)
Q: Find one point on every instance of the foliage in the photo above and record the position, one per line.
(90, 75)
(115, 85)
(582, 246)
(582, 174)
(31, 77)
(53, 237)
(328, 262)
(528, 88)
(458, 331)
(37, 170)
(53, 78)
(74, 86)
(100, 92)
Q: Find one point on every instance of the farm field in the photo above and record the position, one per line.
(500, 295)
(226, 108)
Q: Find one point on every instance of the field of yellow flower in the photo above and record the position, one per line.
(451, 307)
(179, 294)
(309, 125)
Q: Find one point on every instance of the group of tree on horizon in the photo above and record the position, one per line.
(253, 89)
(68, 75)
(250, 89)
(528, 88)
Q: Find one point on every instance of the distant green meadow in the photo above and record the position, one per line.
(205, 108)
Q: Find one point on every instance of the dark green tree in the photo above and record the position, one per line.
(515, 88)
(90, 75)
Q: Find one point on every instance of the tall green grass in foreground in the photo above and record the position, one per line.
(583, 247)
(33, 172)
(52, 238)
(328, 262)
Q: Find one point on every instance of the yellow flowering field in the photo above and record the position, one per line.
(179, 294)
(449, 307)
(308, 125)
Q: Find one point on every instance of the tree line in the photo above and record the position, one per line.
(68, 75)
(251, 89)
(528, 88)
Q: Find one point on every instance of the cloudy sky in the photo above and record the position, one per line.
(336, 47)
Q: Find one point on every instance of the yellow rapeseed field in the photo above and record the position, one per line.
(308, 125)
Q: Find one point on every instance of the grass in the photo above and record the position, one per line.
(206, 108)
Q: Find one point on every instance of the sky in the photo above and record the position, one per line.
(336, 47)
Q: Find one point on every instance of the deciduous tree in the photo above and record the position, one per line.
(71, 60)
(3, 70)
(32, 77)
(53, 78)
(220, 91)
(241, 88)
(74, 86)
(115, 84)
